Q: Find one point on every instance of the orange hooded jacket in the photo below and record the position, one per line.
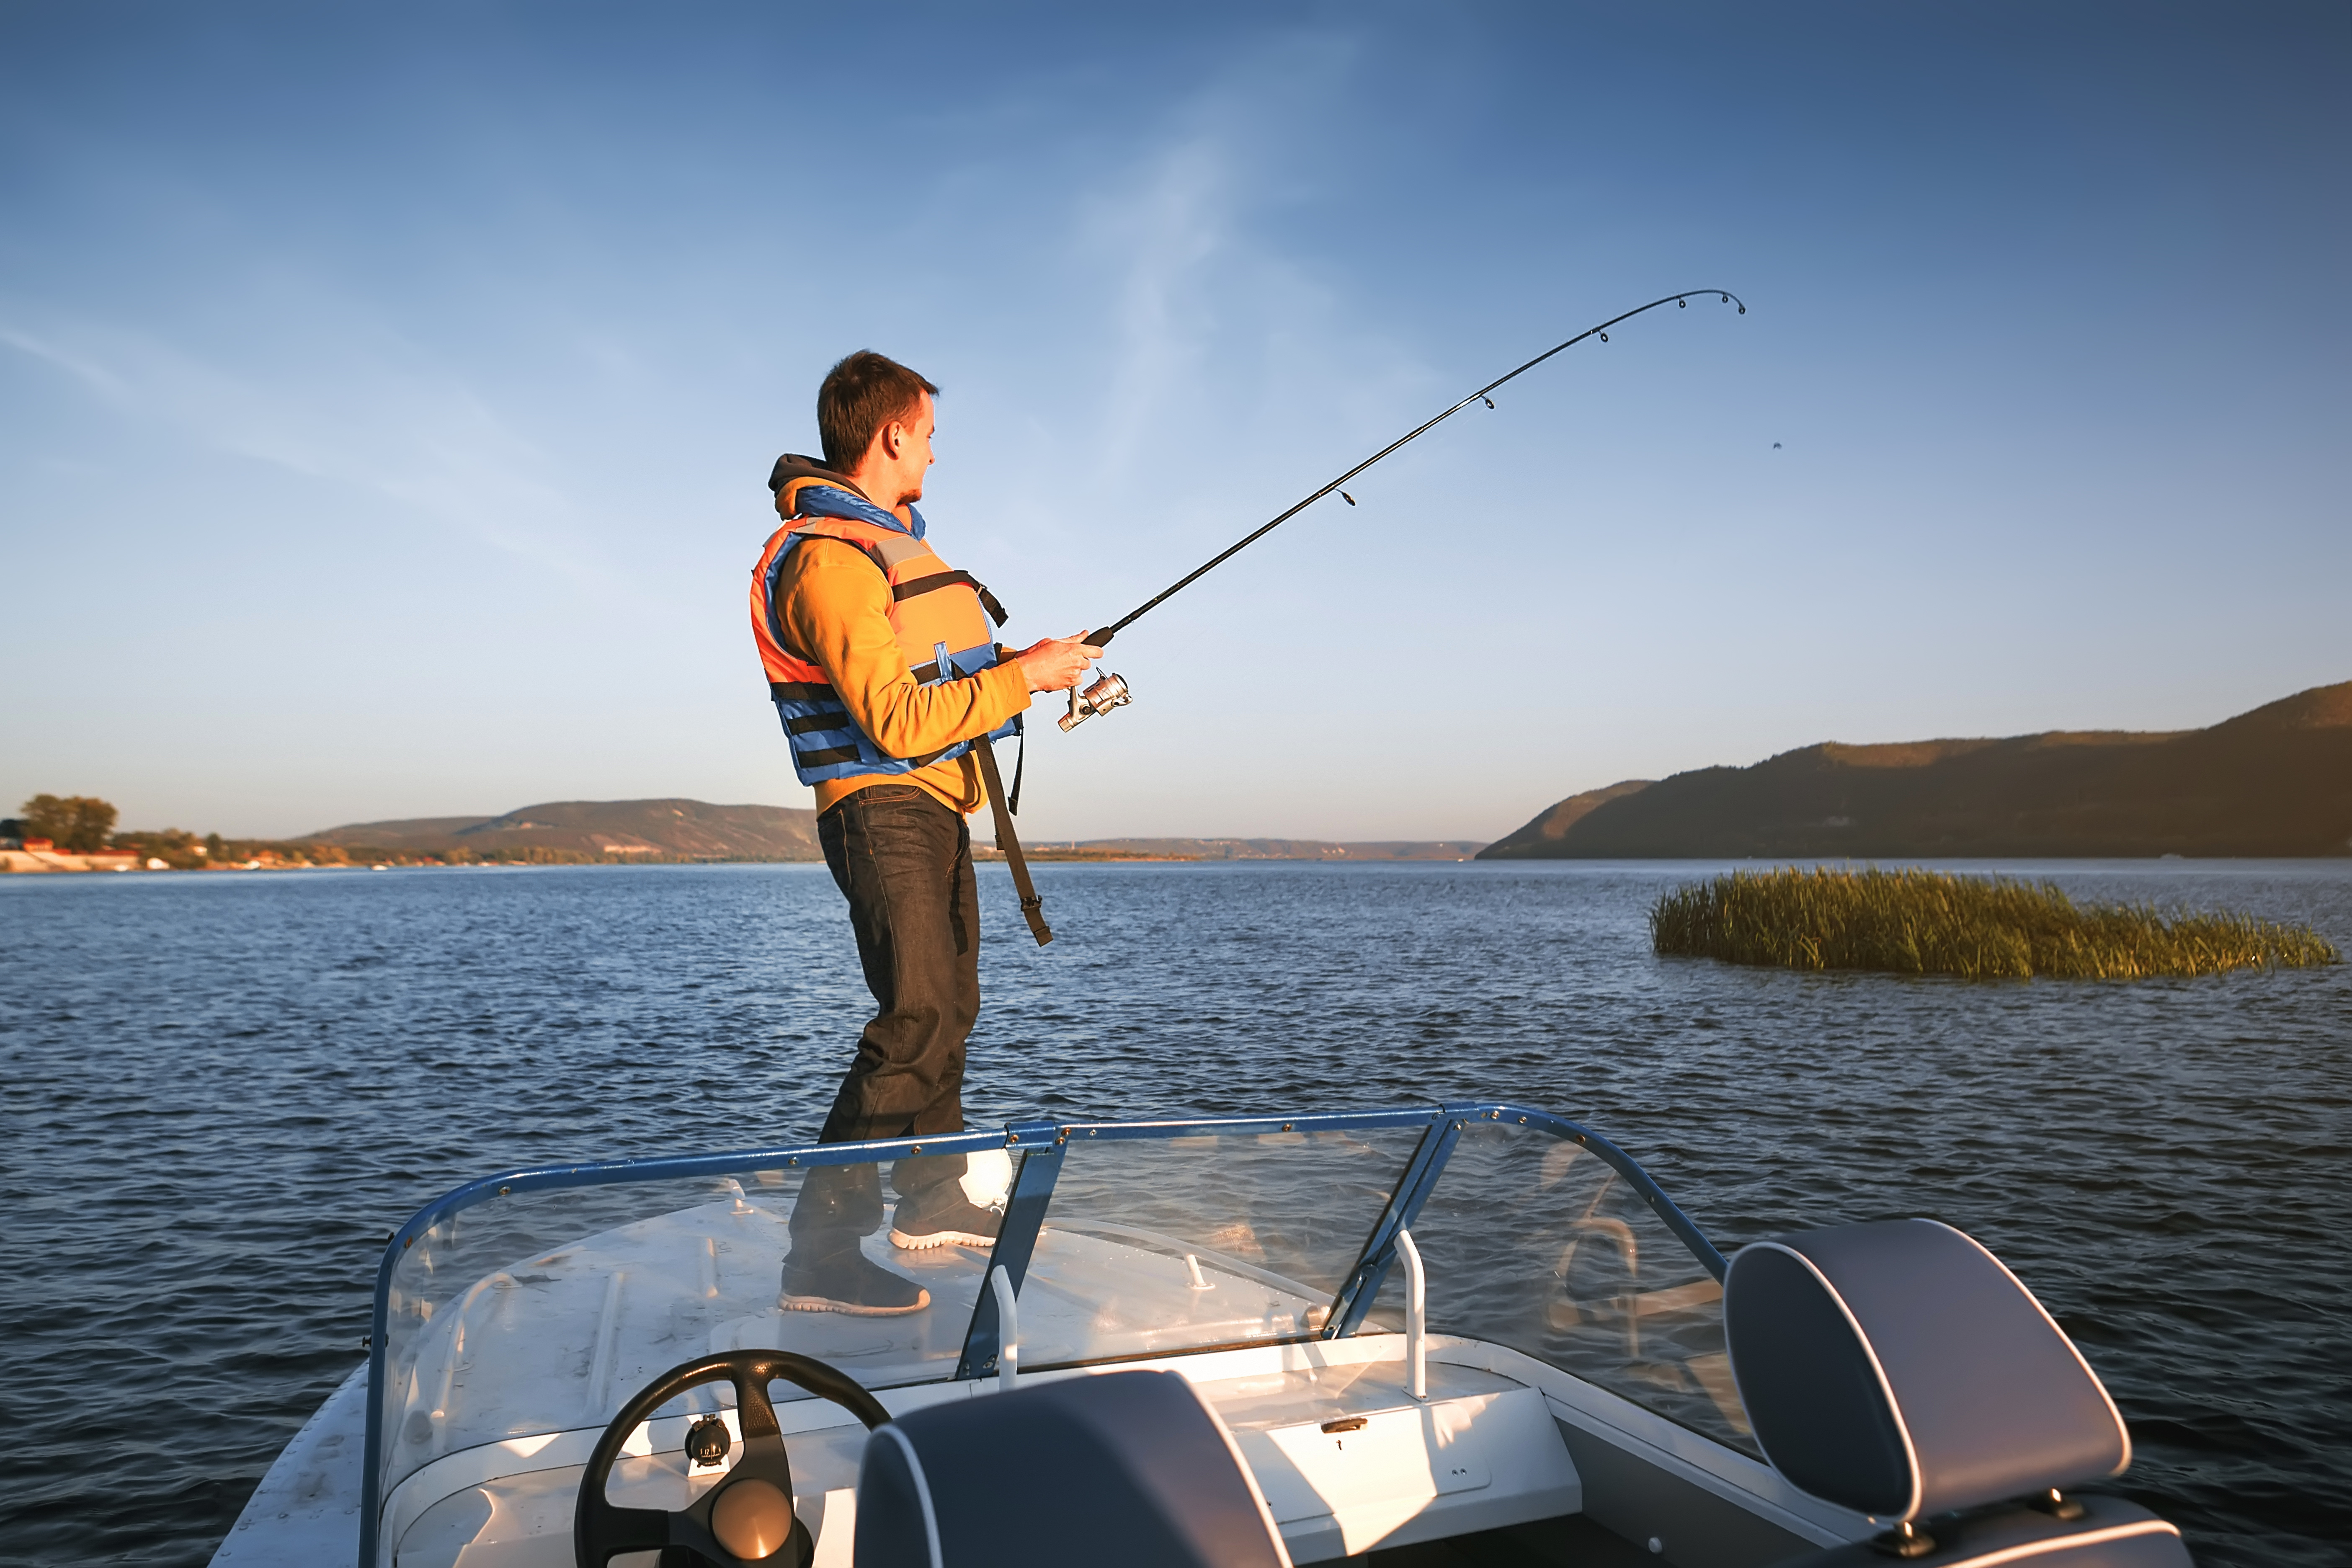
(880, 657)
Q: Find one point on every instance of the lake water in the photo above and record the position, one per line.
(219, 1092)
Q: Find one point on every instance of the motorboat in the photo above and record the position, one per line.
(1447, 1333)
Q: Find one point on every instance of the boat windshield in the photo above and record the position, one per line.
(531, 1305)
(1535, 1240)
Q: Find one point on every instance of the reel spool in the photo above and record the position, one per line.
(1104, 695)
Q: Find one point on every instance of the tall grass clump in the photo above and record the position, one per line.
(1931, 922)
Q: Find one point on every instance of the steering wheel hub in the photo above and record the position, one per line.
(744, 1522)
(751, 1519)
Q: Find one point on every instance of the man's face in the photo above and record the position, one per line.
(913, 456)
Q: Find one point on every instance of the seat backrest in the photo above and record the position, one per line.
(1129, 1467)
(1899, 1370)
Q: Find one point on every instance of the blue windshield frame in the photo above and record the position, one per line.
(1043, 1143)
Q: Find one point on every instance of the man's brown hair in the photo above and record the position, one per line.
(860, 395)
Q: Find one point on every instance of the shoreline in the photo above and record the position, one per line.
(43, 863)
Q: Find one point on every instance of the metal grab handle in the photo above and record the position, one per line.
(1008, 1330)
(1416, 1318)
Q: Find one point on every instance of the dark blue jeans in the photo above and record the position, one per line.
(903, 862)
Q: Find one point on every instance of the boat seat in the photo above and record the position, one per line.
(1899, 1370)
(1131, 1464)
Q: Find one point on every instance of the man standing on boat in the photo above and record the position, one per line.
(884, 666)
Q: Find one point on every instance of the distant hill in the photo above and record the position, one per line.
(617, 829)
(694, 830)
(1552, 826)
(2277, 781)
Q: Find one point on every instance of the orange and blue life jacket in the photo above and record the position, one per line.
(941, 616)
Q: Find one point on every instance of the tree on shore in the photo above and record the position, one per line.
(78, 823)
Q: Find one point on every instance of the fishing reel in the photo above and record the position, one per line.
(1104, 695)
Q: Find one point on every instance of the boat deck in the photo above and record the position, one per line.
(1219, 1253)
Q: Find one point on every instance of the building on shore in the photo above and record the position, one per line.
(40, 855)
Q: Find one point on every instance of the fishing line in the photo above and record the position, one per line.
(1102, 638)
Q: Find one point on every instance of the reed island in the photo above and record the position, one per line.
(1978, 927)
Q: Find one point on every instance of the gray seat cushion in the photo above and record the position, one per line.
(1129, 1463)
(2111, 1533)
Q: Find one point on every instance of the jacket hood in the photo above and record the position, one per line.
(806, 487)
(793, 466)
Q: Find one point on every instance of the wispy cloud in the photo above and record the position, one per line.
(1168, 227)
(381, 416)
(1212, 278)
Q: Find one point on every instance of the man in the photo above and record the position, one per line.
(883, 666)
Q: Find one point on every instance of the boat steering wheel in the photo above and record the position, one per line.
(744, 1522)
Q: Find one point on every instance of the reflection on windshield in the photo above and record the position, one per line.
(1535, 1242)
(545, 1311)
(1162, 1245)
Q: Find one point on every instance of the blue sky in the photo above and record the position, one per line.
(385, 392)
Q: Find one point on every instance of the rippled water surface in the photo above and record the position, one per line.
(219, 1093)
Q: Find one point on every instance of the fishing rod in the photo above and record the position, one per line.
(1110, 692)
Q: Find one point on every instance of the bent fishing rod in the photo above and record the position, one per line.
(1110, 692)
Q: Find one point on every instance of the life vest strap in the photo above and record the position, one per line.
(1033, 907)
(835, 717)
(904, 591)
(818, 723)
(818, 692)
(935, 581)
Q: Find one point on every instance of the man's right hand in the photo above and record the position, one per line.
(1057, 663)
